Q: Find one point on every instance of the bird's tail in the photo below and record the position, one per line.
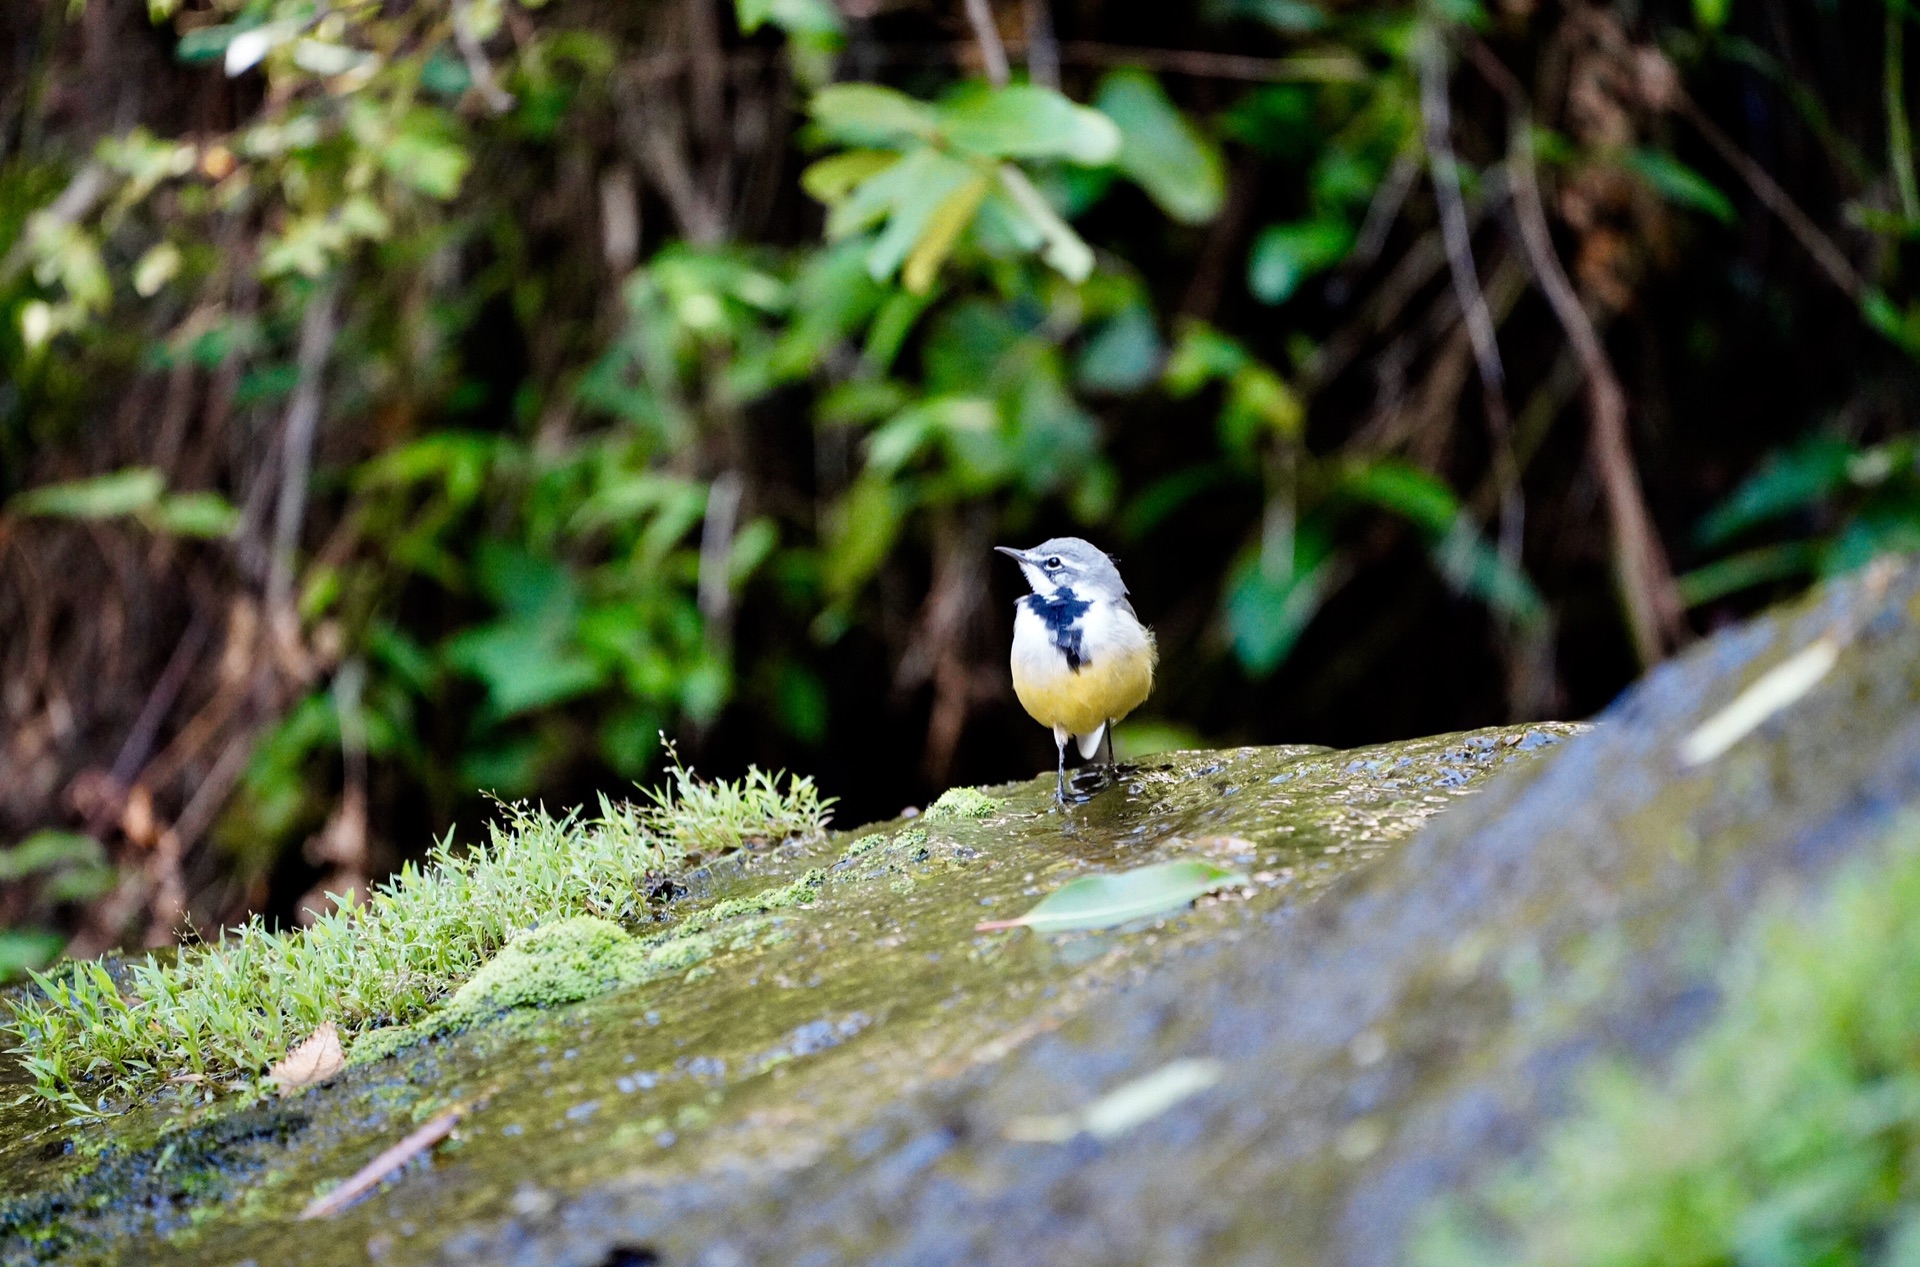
(1097, 742)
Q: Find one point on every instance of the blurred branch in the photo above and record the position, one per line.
(1321, 66)
(1654, 611)
(1828, 256)
(652, 133)
(716, 549)
(1444, 167)
(1383, 210)
(1043, 48)
(146, 727)
(993, 53)
(498, 99)
(318, 326)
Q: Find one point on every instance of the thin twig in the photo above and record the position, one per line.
(1828, 256)
(498, 99)
(716, 546)
(1654, 610)
(708, 70)
(1444, 167)
(653, 136)
(139, 741)
(993, 53)
(1329, 66)
(1043, 48)
(1383, 210)
(375, 1172)
(318, 326)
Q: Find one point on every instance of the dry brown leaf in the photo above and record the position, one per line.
(313, 1061)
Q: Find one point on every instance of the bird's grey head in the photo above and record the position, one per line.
(1068, 563)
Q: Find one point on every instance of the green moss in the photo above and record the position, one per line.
(1786, 1131)
(560, 963)
(962, 802)
(585, 956)
(377, 970)
(800, 893)
(683, 950)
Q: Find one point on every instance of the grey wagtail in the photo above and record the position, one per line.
(1081, 659)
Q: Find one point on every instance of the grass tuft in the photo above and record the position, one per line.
(225, 1011)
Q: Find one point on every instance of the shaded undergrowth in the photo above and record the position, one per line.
(224, 1011)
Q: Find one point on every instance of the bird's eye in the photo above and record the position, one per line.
(1054, 562)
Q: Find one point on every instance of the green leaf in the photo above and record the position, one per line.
(1680, 184)
(22, 950)
(122, 492)
(50, 851)
(861, 532)
(1106, 901)
(943, 228)
(802, 18)
(1711, 15)
(1258, 401)
(870, 115)
(1122, 355)
(1160, 150)
(1267, 609)
(156, 268)
(1789, 481)
(425, 155)
(1063, 249)
(916, 188)
(196, 515)
(206, 44)
(1287, 254)
(831, 179)
(1747, 569)
(1415, 495)
(1200, 356)
(1474, 568)
(1028, 121)
(525, 665)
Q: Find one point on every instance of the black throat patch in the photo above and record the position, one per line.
(1061, 614)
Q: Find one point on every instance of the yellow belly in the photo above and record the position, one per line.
(1082, 701)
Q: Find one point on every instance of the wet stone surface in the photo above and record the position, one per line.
(1399, 1039)
(800, 1043)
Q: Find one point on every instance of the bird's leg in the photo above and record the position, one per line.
(1060, 786)
(1105, 754)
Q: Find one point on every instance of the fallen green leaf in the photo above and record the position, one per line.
(1103, 901)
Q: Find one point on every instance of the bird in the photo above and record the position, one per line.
(1081, 658)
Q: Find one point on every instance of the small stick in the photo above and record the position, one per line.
(1654, 611)
(993, 53)
(371, 1175)
(1437, 114)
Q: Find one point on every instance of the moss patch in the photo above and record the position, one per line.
(573, 959)
(962, 802)
(222, 1013)
(799, 893)
(585, 956)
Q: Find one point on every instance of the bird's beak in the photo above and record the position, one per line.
(1018, 556)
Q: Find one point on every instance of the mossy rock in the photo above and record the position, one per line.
(1425, 962)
